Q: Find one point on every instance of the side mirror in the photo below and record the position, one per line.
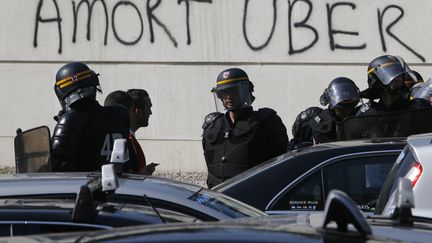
(404, 201)
(343, 210)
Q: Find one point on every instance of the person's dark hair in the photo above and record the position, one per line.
(119, 97)
(138, 96)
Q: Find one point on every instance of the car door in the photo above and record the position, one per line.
(360, 175)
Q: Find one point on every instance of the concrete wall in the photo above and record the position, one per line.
(291, 50)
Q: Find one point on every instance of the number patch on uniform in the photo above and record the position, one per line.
(108, 145)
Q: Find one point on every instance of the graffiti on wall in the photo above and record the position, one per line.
(110, 14)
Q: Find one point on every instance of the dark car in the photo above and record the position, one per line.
(341, 222)
(183, 198)
(301, 179)
(41, 216)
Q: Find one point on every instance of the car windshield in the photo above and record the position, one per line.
(224, 204)
(400, 168)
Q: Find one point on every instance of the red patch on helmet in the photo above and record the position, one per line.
(225, 75)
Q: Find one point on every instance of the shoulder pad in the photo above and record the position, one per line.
(309, 113)
(67, 116)
(304, 117)
(266, 112)
(365, 107)
(324, 115)
(211, 118)
(322, 123)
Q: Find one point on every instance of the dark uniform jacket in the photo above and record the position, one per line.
(323, 127)
(84, 136)
(301, 129)
(230, 149)
(401, 104)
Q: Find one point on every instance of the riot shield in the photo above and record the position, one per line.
(391, 124)
(32, 150)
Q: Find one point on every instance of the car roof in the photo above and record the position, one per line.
(352, 143)
(66, 183)
(420, 145)
(161, 189)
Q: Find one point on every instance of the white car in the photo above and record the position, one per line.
(415, 164)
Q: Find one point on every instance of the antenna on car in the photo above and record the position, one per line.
(154, 208)
(343, 210)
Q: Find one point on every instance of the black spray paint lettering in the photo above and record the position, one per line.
(301, 24)
(125, 4)
(44, 18)
(332, 32)
(39, 19)
(77, 6)
(245, 11)
(187, 4)
(151, 17)
(90, 11)
(388, 30)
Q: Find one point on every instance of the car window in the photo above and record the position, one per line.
(361, 178)
(223, 204)
(306, 195)
(30, 228)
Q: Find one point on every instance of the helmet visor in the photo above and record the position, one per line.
(388, 71)
(232, 96)
(343, 95)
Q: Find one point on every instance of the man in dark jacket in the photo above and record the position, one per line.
(242, 137)
(85, 132)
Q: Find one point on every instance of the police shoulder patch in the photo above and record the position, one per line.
(211, 118)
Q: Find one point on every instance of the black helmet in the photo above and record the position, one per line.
(382, 74)
(342, 93)
(75, 81)
(234, 81)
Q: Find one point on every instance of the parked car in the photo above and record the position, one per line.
(163, 193)
(340, 209)
(61, 202)
(301, 179)
(414, 163)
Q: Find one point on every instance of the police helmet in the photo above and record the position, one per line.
(342, 93)
(235, 84)
(388, 73)
(422, 91)
(75, 81)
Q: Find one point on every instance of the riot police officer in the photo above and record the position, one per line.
(389, 80)
(85, 132)
(316, 125)
(242, 137)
